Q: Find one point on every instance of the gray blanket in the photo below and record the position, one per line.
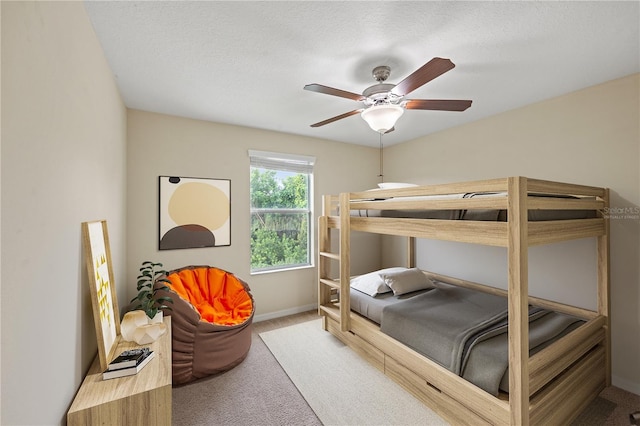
(465, 331)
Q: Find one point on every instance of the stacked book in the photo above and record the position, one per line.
(128, 363)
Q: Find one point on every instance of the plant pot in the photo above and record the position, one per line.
(157, 319)
(130, 322)
(149, 333)
(137, 327)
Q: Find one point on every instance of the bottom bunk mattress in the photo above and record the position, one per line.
(372, 307)
(463, 330)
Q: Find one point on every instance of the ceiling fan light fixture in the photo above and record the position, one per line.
(382, 117)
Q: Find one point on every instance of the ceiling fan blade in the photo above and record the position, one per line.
(423, 75)
(438, 104)
(335, 92)
(337, 117)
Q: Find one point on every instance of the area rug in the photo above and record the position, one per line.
(340, 386)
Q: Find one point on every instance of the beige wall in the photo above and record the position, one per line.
(63, 162)
(588, 137)
(161, 145)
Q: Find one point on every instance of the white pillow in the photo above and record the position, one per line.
(372, 283)
(392, 185)
(406, 281)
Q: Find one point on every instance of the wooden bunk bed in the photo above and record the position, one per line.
(549, 387)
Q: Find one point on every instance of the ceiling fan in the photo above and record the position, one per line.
(384, 103)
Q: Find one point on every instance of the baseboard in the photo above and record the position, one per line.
(625, 384)
(284, 313)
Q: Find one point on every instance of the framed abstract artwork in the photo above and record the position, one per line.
(194, 212)
(102, 288)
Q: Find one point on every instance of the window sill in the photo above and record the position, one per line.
(284, 269)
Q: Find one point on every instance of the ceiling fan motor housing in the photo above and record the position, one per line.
(380, 93)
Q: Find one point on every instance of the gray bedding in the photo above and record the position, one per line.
(465, 331)
(487, 365)
(371, 307)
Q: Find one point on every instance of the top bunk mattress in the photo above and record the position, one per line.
(475, 214)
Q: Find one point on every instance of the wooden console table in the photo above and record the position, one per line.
(141, 399)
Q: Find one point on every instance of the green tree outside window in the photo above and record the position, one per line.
(280, 216)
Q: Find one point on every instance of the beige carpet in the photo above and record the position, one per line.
(341, 387)
(257, 392)
(596, 413)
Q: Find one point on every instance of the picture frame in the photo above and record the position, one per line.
(194, 212)
(102, 290)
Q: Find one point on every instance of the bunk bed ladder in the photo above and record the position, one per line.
(330, 290)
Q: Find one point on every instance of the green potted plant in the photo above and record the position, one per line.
(148, 298)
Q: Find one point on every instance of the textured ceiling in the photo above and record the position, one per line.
(245, 63)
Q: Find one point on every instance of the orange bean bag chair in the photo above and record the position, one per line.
(211, 319)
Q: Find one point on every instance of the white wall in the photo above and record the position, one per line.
(63, 163)
(161, 145)
(589, 137)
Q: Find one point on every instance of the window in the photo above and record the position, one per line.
(281, 210)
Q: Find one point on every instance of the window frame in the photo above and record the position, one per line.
(291, 163)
